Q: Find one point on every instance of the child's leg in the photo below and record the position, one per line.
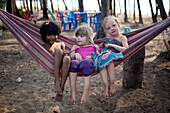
(57, 63)
(84, 99)
(73, 79)
(104, 76)
(65, 70)
(110, 69)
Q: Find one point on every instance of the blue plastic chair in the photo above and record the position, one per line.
(75, 20)
(95, 19)
(65, 22)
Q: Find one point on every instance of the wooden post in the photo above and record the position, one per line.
(133, 70)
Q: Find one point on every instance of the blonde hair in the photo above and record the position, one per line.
(85, 30)
(108, 18)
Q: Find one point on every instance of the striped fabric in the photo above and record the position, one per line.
(28, 34)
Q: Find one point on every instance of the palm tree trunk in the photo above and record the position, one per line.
(140, 15)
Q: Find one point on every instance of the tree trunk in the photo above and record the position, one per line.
(125, 19)
(81, 8)
(104, 12)
(65, 5)
(24, 4)
(110, 7)
(153, 16)
(114, 8)
(45, 15)
(162, 9)
(31, 11)
(134, 16)
(99, 5)
(41, 2)
(27, 5)
(12, 8)
(140, 15)
(52, 6)
(133, 70)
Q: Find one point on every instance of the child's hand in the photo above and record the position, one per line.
(109, 45)
(101, 45)
(88, 57)
(77, 56)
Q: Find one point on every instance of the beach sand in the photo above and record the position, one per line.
(34, 93)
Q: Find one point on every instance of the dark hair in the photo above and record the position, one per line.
(49, 28)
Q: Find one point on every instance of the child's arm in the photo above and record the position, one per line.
(74, 55)
(62, 46)
(98, 49)
(117, 47)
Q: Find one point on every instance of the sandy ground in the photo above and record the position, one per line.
(34, 93)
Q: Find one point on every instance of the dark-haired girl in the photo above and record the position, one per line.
(50, 33)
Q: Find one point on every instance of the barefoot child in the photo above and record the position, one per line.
(50, 33)
(115, 43)
(82, 60)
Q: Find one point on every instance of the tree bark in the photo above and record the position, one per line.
(99, 5)
(52, 6)
(104, 12)
(125, 19)
(140, 15)
(162, 9)
(133, 70)
(81, 8)
(27, 5)
(153, 16)
(114, 8)
(45, 15)
(31, 11)
(134, 16)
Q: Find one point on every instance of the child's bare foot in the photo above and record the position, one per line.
(106, 93)
(112, 90)
(57, 89)
(84, 99)
(72, 100)
(58, 98)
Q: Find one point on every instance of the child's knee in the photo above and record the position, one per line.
(66, 60)
(59, 52)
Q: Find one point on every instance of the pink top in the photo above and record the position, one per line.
(85, 51)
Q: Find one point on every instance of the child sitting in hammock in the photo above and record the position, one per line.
(115, 43)
(50, 33)
(82, 60)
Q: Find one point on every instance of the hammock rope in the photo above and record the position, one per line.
(28, 34)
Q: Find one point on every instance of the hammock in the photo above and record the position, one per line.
(28, 34)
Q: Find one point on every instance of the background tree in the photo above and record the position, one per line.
(12, 8)
(81, 9)
(31, 11)
(162, 9)
(24, 4)
(65, 5)
(140, 15)
(134, 16)
(27, 5)
(41, 2)
(104, 12)
(52, 6)
(114, 8)
(99, 5)
(153, 16)
(125, 19)
(45, 15)
(110, 7)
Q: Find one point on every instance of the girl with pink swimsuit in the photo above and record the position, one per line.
(81, 55)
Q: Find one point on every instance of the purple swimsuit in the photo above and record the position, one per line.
(86, 66)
